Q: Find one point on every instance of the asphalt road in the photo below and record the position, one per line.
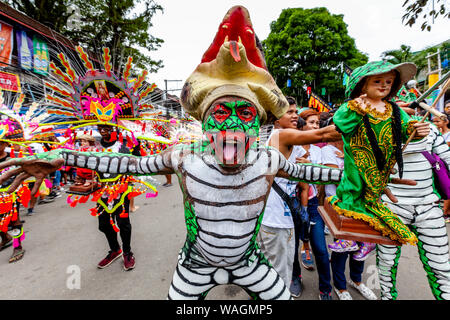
(63, 246)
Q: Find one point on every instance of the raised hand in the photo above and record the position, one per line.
(34, 166)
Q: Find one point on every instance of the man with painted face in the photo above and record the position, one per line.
(225, 178)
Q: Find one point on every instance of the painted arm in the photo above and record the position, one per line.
(42, 164)
(118, 163)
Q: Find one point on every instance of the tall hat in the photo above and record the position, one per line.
(91, 96)
(233, 65)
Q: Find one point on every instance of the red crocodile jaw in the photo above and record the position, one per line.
(235, 26)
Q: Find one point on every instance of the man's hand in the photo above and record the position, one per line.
(26, 168)
(389, 193)
(423, 129)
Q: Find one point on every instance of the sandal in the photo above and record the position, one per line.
(17, 255)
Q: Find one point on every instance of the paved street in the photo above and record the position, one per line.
(63, 242)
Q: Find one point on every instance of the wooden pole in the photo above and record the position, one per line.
(444, 88)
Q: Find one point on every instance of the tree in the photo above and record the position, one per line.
(309, 46)
(52, 13)
(414, 8)
(404, 54)
(110, 23)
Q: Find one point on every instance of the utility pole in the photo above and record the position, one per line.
(165, 95)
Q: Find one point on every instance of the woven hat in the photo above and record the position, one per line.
(232, 73)
(406, 71)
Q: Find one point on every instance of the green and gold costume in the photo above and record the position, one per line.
(362, 184)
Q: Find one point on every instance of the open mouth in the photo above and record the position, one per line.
(230, 147)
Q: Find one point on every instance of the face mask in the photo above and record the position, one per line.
(232, 127)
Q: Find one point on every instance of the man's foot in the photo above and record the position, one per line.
(307, 260)
(128, 261)
(110, 258)
(343, 246)
(17, 255)
(365, 249)
(296, 287)
(325, 296)
(167, 184)
(30, 211)
(365, 292)
(343, 295)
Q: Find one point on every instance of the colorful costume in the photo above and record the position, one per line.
(223, 205)
(11, 132)
(372, 145)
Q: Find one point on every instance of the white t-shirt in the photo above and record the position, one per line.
(446, 136)
(329, 156)
(315, 156)
(277, 213)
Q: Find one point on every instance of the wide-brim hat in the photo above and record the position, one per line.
(406, 71)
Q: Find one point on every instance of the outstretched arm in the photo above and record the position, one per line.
(305, 172)
(284, 139)
(41, 165)
(118, 163)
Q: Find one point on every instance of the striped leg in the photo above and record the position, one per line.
(261, 281)
(388, 257)
(433, 248)
(387, 264)
(191, 284)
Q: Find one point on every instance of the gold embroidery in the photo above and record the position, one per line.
(355, 106)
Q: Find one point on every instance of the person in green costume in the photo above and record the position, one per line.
(373, 128)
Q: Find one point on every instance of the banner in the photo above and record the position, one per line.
(9, 82)
(6, 43)
(347, 72)
(317, 103)
(41, 57)
(24, 50)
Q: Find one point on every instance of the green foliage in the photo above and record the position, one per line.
(116, 24)
(52, 13)
(416, 9)
(309, 46)
(404, 54)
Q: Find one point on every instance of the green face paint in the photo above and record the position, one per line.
(233, 116)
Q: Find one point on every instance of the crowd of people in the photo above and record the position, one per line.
(251, 210)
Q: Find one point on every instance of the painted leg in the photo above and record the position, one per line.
(433, 249)
(261, 281)
(387, 264)
(191, 284)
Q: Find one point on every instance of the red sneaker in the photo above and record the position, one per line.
(110, 258)
(128, 261)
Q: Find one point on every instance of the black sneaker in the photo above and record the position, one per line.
(325, 296)
(296, 287)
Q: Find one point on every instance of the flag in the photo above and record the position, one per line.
(24, 50)
(41, 58)
(347, 72)
(6, 43)
(317, 103)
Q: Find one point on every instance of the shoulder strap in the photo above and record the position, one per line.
(281, 193)
(429, 157)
